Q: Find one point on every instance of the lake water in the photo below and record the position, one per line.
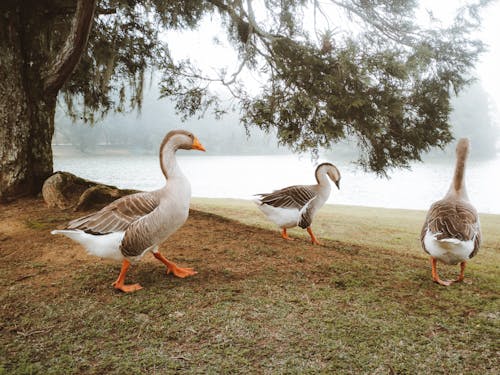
(243, 176)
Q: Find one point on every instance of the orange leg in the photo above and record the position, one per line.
(284, 235)
(120, 282)
(462, 272)
(435, 276)
(172, 267)
(313, 237)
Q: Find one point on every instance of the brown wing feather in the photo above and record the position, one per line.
(137, 238)
(306, 217)
(453, 219)
(118, 215)
(290, 197)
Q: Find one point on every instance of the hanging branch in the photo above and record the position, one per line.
(66, 60)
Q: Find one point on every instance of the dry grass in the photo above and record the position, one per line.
(361, 303)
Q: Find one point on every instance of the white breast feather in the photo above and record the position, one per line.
(448, 250)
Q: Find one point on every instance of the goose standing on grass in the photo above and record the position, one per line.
(297, 205)
(451, 232)
(133, 225)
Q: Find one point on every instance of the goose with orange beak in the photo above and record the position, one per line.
(132, 226)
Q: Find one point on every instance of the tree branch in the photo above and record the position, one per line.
(101, 10)
(370, 17)
(255, 26)
(68, 57)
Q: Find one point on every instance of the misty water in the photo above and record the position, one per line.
(243, 176)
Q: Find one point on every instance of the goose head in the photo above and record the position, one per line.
(174, 140)
(181, 139)
(330, 170)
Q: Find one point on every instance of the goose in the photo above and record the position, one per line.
(297, 205)
(452, 232)
(128, 228)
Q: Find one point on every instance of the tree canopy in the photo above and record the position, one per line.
(356, 69)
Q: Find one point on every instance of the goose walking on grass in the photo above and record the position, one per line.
(297, 205)
(451, 232)
(131, 226)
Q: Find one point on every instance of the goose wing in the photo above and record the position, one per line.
(118, 215)
(453, 219)
(306, 215)
(297, 196)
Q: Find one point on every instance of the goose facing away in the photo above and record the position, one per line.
(452, 232)
(131, 226)
(297, 205)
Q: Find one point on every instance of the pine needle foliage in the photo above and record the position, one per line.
(366, 71)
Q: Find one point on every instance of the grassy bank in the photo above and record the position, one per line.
(361, 303)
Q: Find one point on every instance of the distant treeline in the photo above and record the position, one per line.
(142, 132)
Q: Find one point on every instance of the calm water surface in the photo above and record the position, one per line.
(243, 176)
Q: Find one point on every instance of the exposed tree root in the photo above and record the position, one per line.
(65, 190)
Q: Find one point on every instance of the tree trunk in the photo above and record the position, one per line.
(33, 67)
(26, 117)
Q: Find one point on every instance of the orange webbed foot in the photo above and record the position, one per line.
(127, 288)
(181, 272)
(435, 276)
(314, 241)
(173, 268)
(443, 282)
(284, 235)
(120, 282)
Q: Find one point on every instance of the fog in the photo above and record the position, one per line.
(475, 113)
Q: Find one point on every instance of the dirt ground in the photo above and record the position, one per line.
(32, 256)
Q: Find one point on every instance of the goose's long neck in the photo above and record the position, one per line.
(168, 161)
(323, 180)
(457, 187)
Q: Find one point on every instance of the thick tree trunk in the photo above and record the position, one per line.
(26, 117)
(33, 67)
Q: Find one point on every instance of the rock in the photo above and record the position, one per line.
(65, 190)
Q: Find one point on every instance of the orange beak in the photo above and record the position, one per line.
(197, 145)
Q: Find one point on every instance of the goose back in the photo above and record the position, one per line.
(452, 219)
(118, 215)
(296, 196)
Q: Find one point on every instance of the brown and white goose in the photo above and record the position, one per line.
(297, 205)
(133, 225)
(451, 232)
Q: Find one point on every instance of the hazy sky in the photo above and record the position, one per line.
(488, 67)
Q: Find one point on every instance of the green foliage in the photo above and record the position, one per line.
(390, 93)
(375, 77)
(123, 45)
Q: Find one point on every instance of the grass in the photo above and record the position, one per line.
(362, 303)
